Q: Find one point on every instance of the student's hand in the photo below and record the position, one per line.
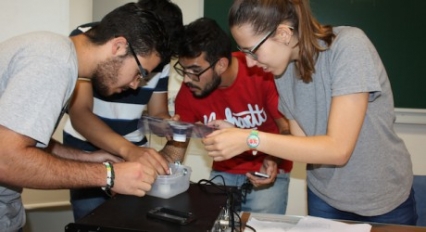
(269, 167)
(226, 143)
(169, 135)
(149, 157)
(175, 117)
(133, 178)
(220, 124)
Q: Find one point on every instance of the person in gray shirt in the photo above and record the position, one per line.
(38, 72)
(337, 96)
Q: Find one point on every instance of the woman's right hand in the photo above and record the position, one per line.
(220, 124)
(226, 143)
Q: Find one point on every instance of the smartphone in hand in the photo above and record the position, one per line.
(259, 174)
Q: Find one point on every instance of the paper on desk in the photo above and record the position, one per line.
(271, 222)
(306, 224)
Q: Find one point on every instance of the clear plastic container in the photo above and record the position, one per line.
(167, 186)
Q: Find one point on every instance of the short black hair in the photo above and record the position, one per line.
(205, 35)
(171, 15)
(143, 30)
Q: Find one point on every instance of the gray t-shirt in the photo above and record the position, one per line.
(38, 72)
(378, 176)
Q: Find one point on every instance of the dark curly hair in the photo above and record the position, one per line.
(205, 35)
(143, 29)
(171, 15)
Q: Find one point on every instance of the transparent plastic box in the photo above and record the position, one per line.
(167, 186)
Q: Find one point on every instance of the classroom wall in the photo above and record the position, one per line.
(22, 16)
(191, 9)
(49, 210)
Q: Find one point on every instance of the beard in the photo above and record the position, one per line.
(106, 75)
(209, 88)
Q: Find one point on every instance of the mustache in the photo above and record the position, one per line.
(190, 85)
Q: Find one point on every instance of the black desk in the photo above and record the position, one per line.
(128, 213)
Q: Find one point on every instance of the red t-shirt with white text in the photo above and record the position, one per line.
(251, 102)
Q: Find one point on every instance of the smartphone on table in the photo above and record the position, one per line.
(171, 215)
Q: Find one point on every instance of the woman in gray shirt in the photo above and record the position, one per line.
(337, 96)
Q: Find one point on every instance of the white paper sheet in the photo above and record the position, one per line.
(303, 224)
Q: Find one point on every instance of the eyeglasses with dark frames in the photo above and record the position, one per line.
(193, 76)
(251, 52)
(143, 72)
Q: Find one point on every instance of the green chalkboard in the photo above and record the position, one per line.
(396, 28)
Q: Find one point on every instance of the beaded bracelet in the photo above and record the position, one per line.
(110, 177)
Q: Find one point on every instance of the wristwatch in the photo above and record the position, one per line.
(253, 141)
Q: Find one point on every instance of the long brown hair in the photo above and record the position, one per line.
(266, 15)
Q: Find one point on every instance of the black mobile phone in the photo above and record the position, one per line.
(171, 215)
(259, 174)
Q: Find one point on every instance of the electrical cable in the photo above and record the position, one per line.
(235, 196)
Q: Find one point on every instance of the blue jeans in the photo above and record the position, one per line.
(83, 201)
(268, 199)
(404, 214)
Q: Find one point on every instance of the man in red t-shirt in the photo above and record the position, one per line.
(218, 85)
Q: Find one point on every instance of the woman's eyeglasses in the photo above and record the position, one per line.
(251, 52)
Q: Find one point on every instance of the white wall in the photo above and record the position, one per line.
(81, 11)
(22, 16)
(102, 7)
(61, 16)
(191, 9)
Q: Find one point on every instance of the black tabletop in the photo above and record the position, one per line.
(129, 213)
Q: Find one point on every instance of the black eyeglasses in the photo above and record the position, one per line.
(193, 76)
(143, 72)
(251, 52)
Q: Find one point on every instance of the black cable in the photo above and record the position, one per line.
(233, 198)
(251, 228)
(239, 221)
